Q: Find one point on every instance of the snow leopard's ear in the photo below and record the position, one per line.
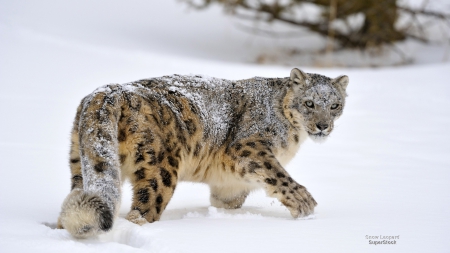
(341, 83)
(299, 77)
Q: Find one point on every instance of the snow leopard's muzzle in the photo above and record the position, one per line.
(319, 130)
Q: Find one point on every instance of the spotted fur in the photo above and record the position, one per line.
(235, 136)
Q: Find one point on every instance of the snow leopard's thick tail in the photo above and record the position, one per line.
(91, 206)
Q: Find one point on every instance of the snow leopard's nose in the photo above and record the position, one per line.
(321, 126)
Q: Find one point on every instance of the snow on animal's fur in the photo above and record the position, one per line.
(235, 136)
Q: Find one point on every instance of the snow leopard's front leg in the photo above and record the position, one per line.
(257, 164)
(228, 197)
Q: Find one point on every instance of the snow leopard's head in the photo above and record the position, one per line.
(317, 102)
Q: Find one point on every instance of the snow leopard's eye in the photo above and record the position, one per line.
(334, 106)
(309, 104)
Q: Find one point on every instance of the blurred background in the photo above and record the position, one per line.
(320, 33)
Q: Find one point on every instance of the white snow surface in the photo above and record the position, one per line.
(385, 170)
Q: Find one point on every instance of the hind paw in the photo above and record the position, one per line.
(136, 217)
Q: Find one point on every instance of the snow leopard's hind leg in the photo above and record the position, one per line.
(90, 207)
(154, 178)
(151, 148)
(153, 187)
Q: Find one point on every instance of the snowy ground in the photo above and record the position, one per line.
(384, 171)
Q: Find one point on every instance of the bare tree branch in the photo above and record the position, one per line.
(378, 28)
(424, 12)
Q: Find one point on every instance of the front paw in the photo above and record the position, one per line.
(299, 201)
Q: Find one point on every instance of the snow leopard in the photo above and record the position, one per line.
(235, 136)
